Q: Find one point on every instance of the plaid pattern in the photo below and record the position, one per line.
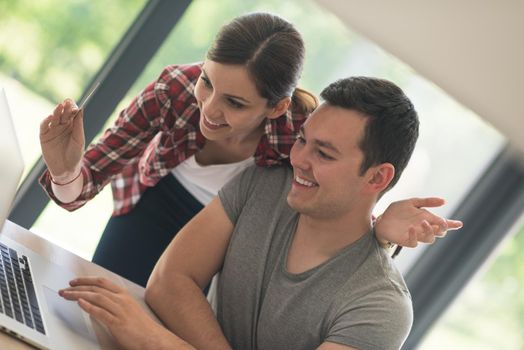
(155, 133)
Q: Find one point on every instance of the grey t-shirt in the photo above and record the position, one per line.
(357, 298)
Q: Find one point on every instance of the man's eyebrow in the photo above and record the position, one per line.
(228, 95)
(321, 143)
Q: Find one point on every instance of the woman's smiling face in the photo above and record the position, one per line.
(230, 105)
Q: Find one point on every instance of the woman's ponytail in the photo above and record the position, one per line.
(304, 101)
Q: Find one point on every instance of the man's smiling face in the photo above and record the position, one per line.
(326, 161)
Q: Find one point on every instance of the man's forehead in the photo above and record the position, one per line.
(335, 124)
(327, 114)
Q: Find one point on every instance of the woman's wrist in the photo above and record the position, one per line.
(66, 178)
(65, 182)
(384, 243)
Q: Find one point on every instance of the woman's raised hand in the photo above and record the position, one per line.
(62, 140)
(408, 223)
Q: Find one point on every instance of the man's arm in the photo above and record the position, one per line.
(174, 290)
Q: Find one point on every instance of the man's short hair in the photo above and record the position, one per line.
(391, 130)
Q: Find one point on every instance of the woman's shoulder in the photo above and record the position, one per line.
(189, 70)
(176, 84)
(179, 77)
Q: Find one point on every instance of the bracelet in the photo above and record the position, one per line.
(66, 183)
(396, 252)
(389, 245)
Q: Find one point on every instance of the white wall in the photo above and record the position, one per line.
(472, 49)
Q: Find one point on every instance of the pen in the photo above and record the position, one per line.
(87, 98)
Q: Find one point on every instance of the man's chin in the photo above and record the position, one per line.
(297, 205)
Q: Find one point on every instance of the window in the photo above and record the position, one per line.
(489, 313)
(49, 50)
(471, 144)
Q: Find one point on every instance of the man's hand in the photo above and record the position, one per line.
(124, 317)
(407, 223)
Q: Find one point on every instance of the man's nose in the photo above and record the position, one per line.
(299, 156)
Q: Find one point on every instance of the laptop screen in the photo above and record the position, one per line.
(11, 162)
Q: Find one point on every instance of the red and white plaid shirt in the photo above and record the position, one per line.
(158, 131)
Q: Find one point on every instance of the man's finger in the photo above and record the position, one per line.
(99, 313)
(95, 281)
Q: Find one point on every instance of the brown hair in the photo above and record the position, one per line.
(272, 51)
(391, 130)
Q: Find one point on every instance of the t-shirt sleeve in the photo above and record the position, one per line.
(379, 320)
(236, 192)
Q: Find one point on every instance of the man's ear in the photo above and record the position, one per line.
(380, 176)
(280, 108)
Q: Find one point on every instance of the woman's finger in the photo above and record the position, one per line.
(412, 238)
(429, 202)
(45, 125)
(69, 112)
(428, 234)
(454, 224)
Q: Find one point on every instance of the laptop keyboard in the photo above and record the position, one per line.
(18, 296)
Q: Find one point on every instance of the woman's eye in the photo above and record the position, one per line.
(235, 104)
(206, 81)
(301, 140)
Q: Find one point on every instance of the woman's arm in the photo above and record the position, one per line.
(118, 150)
(62, 143)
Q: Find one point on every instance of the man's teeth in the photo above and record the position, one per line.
(304, 182)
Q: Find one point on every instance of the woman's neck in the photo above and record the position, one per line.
(230, 150)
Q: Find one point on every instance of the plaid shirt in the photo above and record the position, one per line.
(158, 131)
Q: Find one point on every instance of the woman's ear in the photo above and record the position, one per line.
(380, 176)
(280, 108)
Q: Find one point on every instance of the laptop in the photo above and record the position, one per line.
(30, 307)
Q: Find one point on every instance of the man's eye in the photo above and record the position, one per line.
(324, 155)
(301, 140)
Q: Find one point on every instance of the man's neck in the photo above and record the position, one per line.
(317, 239)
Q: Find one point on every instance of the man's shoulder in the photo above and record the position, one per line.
(379, 273)
(267, 176)
(377, 282)
(257, 186)
(377, 295)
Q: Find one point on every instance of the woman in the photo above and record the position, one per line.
(183, 137)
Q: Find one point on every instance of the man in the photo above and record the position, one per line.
(306, 271)
(300, 271)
